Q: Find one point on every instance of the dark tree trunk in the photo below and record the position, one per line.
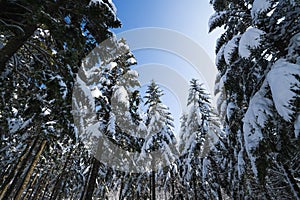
(59, 179)
(195, 189)
(30, 171)
(13, 178)
(121, 188)
(153, 195)
(89, 190)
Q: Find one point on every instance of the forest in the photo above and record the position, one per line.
(74, 125)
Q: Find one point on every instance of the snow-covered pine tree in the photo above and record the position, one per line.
(258, 83)
(42, 46)
(111, 90)
(160, 141)
(196, 142)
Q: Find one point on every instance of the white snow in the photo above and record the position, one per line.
(256, 117)
(121, 95)
(230, 47)
(294, 44)
(219, 55)
(112, 65)
(281, 79)
(131, 61)
(259, 6)
(96, 93)
(297, 126)
(111, 6)
(241, 163)
(216, 17)
(85, 89)
(250, 40)
(230, 109)
(112, 123)
(63, 88)
(133, 73)
(14, 124)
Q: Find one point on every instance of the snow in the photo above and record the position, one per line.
(250, 40)
(260, 6)
(241, 163)
(254, 120)
(121, 95)
(297, 126)
(112, 65)
(215, 17)
(256, 117)
(111, 6)
(87, 93)
(14, 125)
(219, 55)
(230, 109)
(294, 44)
(230, 48)
(133, 73)
(96, 93)
(281, 80)
(132, 61)
(63, 88)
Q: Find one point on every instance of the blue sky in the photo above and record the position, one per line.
(187, 17)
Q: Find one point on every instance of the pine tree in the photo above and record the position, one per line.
(160, 140)
(197, 140)
(42, 47)
(257, 51)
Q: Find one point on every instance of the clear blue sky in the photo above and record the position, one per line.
(187, 17)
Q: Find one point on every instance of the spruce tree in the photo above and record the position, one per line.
(257, 51)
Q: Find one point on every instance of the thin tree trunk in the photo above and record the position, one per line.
(57, 184)
(39, 185)
(28, 192)
(92, 180)
(121, 188)
(195, 189)
(31, 168)
(46, 184)
(85, 185)
(153, 185)
(172, 185)
(12, 180)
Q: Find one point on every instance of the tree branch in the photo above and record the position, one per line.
(14, 44)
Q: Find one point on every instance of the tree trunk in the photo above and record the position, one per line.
(121, 188)
(195, 189)
(59, 179)
(31, 168)
(89, 190)
(8, 186)
(153, 185)
(28, 192)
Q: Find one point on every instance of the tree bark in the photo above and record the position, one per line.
(31, 168)
(121, 188)
(153, 196)
(59, 179)
(89, 190)
(11, 181)
(28, 192)
(195, 188)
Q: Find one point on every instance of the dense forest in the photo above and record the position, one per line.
(72, 124)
